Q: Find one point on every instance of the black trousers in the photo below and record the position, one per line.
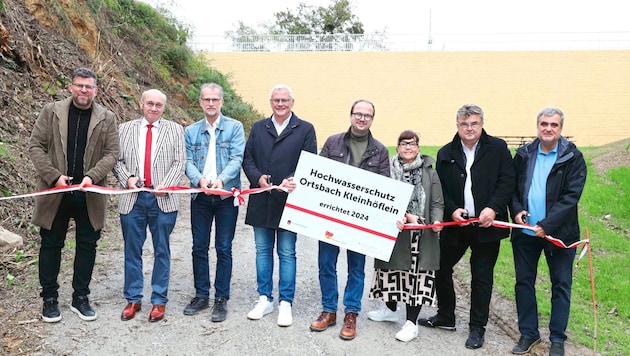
(73, 205)
(482, 260)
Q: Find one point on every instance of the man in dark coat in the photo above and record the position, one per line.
(477, 178)
(271, 155)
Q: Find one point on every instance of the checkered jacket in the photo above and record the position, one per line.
(168, 165)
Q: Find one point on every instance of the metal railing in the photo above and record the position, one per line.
(414, 42)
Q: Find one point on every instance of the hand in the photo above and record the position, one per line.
(539, 231)
(400, 225)
(132, 182)
(436, 228)
(159, 194)
(217, 184)
(86, 181)
(519, 217)
(459, 215)
(264, 181)
(486, 217)
(63, 181)
(289, 184)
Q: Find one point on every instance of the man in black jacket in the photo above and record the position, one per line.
(477, 178)
(551, 174)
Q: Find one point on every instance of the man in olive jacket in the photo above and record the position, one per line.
(73, 141)
(477, 178)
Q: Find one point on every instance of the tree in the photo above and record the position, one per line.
(309, 28)
(306, 19)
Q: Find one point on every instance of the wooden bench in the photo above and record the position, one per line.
(518, 141)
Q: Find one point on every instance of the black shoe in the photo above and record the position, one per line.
(557, 349)
(81, 306)
(196, 305)
(219, 310)
(50, 311)
(524, 345)
(437, 322)
(475, 338)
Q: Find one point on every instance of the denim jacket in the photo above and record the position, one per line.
(229, 152)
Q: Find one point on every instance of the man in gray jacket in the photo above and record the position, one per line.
(73, 141)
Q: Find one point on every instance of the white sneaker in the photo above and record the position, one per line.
(408, 332)
(261, 309)
(284, 314)
(384, 314)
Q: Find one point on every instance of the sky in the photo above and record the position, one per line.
(450, 22)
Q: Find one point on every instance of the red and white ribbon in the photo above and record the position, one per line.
(236, 193)
(506, 225)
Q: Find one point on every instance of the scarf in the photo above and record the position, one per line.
(411, 173)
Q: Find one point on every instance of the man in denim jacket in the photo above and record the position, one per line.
(214, 153)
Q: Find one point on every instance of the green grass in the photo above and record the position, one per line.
(603, 210)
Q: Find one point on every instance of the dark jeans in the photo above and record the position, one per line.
(482, 261)
(527, 250)
(203, 210)
(72, 206)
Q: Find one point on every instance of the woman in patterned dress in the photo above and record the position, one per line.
(409, 275)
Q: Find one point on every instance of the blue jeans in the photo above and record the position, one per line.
(265, 239)
(204, 209)
(327, 260)
(527, 250)
(134, 227)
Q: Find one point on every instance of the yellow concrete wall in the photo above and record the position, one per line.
(423, 90)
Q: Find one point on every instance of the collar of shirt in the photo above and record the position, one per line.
(144, 123)
(211, 127)
(554, 151)
(280, 128)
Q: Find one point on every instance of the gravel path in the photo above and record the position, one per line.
(178, 334)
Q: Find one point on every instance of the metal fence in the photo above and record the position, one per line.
(414, 42)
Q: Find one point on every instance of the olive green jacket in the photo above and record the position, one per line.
(47, 150)
(429, 259)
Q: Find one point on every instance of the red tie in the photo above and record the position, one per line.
(147, 157)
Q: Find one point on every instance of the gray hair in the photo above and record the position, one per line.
(468, 110)
(84, 73)
(152, 90)
(211, 86)
(550, 111)
(282, 87)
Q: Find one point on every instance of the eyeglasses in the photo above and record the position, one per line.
(467, 125)
(84, 86)
(211, 100)
(280, 101)
(407, 144)
(359, 116)
(151, 104)
(553, 125)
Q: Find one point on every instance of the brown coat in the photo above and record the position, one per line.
(47, 150)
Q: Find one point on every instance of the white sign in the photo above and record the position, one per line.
(345, 206)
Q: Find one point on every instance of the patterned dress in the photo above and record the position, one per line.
(413, 287)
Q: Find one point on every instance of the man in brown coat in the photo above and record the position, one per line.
(73, 141)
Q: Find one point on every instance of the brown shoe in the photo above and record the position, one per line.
(349, 329)
(130, 311)
(323, 321)
(157, 313)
